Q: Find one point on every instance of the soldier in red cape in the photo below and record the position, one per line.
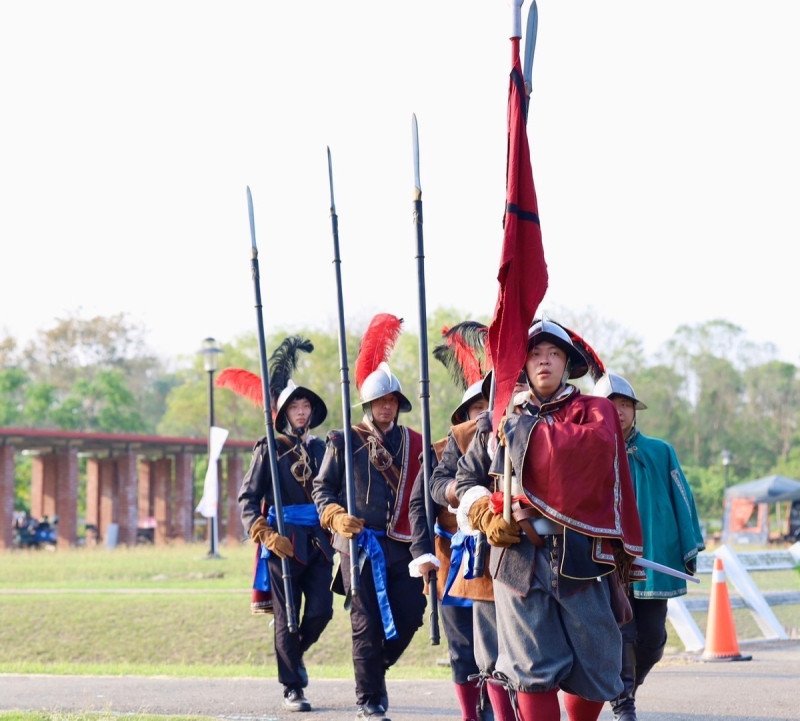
(554, 584)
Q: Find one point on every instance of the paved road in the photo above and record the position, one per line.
(681, 688)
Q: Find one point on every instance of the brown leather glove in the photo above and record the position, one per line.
(499, 533)
(338, 519)
(261, 532)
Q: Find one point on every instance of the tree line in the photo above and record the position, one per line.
(710, 391)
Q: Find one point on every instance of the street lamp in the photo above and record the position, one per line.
(726, 456)
(210, 351)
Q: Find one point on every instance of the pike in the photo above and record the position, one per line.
(349, 480)
(424, 381)
(291, 618)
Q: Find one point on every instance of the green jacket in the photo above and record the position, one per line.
(670, 526)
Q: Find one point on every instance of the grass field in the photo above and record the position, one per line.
(172, 611)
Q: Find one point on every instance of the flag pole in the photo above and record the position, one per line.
(291, 618)
(424, 381)
(349, 478)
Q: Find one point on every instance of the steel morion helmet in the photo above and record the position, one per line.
(548, 330)
(613, 385)
(379, 383)
(472, 394)
(374, 379)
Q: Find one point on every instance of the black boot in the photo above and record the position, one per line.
(624, 706)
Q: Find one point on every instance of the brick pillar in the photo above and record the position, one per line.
(108, 495)
(66, 501)
(183, 499)
(92, 500)
(127, 497)
(162, 500)
(6, 496)
(49, 486)
(37, 487)
(146, 495)
(233, 527)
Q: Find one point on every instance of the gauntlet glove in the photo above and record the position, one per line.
(338, 519)
(499, 533)
(261, 532)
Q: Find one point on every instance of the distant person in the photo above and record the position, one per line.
(672, 537)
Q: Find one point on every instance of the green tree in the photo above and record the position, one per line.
(90, 374)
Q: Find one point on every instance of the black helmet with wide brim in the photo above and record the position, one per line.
(548, 330)
(319, 411)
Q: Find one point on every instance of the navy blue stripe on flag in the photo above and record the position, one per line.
(519, 84)
(513, 209)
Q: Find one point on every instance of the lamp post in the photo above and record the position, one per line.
(210, 351)
(726, 457)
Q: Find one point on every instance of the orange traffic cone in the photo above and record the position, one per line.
(721, 643)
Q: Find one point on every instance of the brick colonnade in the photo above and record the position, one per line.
(123, 490)
(7, 494)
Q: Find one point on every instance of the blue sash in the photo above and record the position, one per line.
(303, 514)
(460, 543)
(368, 541)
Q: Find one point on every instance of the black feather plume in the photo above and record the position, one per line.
(283, 362)
(461, 351)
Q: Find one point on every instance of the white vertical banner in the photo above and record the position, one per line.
(208, 503)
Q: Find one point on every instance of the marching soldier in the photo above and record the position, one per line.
(388, 608)
(306, 545)
(672, 537)
(556, 625)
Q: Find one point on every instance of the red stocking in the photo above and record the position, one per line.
(501, 704)
(581, 709)
(468, 696)
(539, 706)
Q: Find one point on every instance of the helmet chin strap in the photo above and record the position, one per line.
(290, 430)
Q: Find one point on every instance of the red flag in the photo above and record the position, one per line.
(523, 271)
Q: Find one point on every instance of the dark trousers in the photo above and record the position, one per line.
(457, 623)
(647, 632)
(372, 653)
(311, 585)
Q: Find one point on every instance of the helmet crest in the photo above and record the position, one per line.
(461, 352)
(377, 344)
(374, 379)
(283, 362)
(243, 383)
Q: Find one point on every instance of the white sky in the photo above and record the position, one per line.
(664, 138)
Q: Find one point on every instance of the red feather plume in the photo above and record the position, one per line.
(377, 344)
(596, 367)
(243, 383)
(461, 351)
(466, 358)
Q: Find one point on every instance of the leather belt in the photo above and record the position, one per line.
(535, 525)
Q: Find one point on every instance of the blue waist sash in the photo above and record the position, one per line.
(302, 514)
(368, 542)
(460, 543)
